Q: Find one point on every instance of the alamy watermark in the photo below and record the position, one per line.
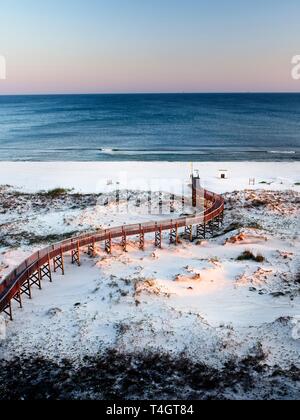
(296, 67)
(155, 196)
(2, 67)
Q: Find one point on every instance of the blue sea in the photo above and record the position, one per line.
(150, 127)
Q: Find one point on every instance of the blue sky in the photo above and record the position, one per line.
(148, 46)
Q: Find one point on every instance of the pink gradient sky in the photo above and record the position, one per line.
(124, 46)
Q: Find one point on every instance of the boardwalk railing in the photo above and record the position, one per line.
(34, 269)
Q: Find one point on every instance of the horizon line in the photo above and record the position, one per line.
(150, 93)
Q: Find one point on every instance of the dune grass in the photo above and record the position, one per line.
(56, 192)
(249, 256)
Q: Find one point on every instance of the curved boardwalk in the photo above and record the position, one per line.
(34, 269)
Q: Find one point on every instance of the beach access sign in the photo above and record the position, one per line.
(296, 67)
(2, 67)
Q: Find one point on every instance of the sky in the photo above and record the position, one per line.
(121, 46)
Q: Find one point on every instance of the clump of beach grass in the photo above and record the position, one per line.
(249, 256)
(56, 192)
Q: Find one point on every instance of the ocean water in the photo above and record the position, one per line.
(172, 127)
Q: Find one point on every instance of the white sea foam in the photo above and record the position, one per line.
(152, 152)
(107, 151)
(282, 152)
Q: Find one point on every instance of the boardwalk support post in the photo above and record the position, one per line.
(26, 289)
(201, 231)
(8, 310)
(35, 279)
(124, 240)
(59, 262)
(142, 239)
(214, 225)
(45, 271)
(158, 237)
(18, 298)
(108, 244)
(174, 234)
(188, 233)
(76, 255)
(92, 249)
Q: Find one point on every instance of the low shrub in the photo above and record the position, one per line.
(249, 256)
(56, 192)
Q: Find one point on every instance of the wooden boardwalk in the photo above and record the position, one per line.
(31, 272)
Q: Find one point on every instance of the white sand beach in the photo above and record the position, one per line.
(91, 177)
(198, 298)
